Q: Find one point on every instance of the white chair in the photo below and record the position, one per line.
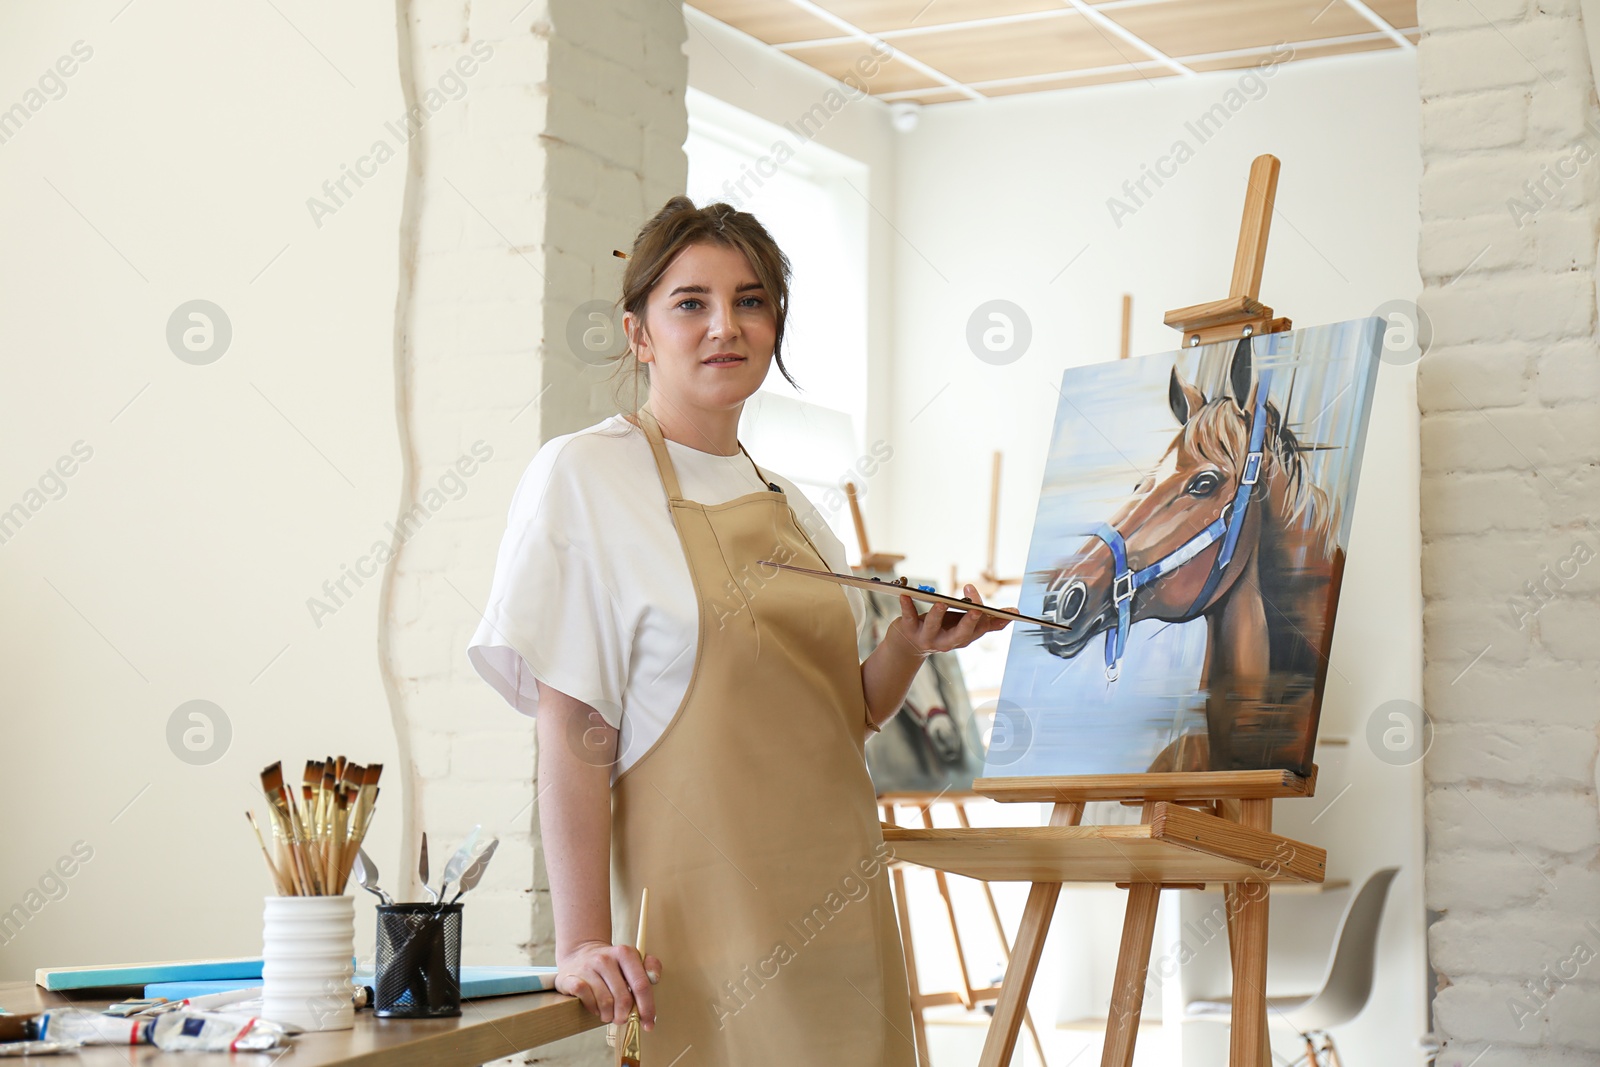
(1344, 990)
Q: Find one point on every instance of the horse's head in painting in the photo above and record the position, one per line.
(1177, 547)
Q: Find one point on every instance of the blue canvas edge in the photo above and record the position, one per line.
(476, 982)
(142, 973)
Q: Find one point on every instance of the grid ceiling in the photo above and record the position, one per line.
(953, 50)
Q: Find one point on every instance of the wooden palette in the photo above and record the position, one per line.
(915, 594)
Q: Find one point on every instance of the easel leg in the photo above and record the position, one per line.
(903, 909)
(1000, 936)
(1005, 945)
(1133, 964)
(1001, 1041)
(950, 911)
(1248, 1044)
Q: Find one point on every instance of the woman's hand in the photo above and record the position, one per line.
(937, 631)
(610, 979)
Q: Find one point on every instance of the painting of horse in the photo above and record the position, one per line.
(1191, 536)
(934, 744)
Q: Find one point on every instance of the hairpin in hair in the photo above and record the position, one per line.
(620, 254)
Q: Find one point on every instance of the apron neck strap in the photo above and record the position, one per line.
(669, 475)
(658, 446)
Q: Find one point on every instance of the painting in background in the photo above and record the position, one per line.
(1191, 530)
(932, 743)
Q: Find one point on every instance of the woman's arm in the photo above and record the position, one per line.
(886, 674)
(576, 749)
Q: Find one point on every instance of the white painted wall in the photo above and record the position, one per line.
(177, 564)
(1511, 205)
(375, 360)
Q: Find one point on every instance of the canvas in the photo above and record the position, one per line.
(1191, 532)
(933, 742)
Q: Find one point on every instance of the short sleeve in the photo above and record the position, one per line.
(553, 614)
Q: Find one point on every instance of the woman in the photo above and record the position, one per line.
(702, 718)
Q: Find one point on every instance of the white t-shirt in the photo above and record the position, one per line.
(592, 594)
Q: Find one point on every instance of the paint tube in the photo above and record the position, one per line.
(206, 1031)
(202, 1031)
(74, 1026)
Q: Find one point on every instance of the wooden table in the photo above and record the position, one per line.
(487, 1029)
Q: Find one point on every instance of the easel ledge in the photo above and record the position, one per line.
(1228, 840)
(1182, 786)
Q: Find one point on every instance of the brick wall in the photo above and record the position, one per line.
(566, 137)
(1510, 414)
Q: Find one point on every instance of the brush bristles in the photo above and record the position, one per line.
(317, 833)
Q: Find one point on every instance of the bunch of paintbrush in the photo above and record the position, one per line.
(317, 833)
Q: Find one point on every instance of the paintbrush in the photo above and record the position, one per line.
(314, 790)
(277, 879)
(369, 794)
(319, 832)
(311, 834)
(283, 827)
(628, 1054)
(350, 775)
(330, 786)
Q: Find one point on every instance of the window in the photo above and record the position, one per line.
(806, 196)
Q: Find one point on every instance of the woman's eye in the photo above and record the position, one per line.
(688, 300)
(756, 301)
(1204, 484)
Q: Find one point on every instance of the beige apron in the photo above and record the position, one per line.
(752, 819)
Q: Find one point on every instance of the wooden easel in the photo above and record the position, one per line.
(870, 560)
(1127, 326)
(1195, 827)
(1241, 313)
(968, 995)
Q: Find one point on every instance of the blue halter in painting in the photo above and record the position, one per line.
(1226, 527)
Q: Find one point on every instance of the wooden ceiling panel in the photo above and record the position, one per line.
(876, 16)
(1078, 81)
(1196, 27)
(772, 21)
(1240, 62)
(850, 59)
(973, 51)
(1010, 50)
(1402, 14)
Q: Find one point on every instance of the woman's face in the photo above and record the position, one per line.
(707, 307)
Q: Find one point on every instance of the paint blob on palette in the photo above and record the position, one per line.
(1191, 535)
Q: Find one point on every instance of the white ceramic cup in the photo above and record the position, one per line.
(307, 952)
